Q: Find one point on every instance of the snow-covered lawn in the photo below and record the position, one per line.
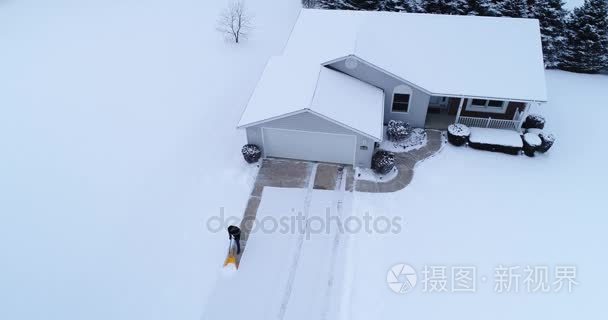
(469, 207)
(118, 142)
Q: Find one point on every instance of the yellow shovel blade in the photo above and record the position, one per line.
(231, 259)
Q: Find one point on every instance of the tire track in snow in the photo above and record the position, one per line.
(296, 259)
(334, 249)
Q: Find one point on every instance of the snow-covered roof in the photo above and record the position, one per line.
(441, 54)
(289, 87)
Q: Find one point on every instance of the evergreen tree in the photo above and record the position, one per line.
(531, 5)
(551, 15)
(329, 4)
(309, 3)
(514, 8)
(482, 8)
(368, 5)
(400, 6)
(454, 7)
(587, 38)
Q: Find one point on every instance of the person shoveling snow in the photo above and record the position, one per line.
(234, 232)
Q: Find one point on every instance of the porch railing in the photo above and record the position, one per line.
(490, 123)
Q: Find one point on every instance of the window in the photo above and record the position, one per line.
(401, 102)
(484, 105)
(479, 102)
(494, 103)
(402, 95)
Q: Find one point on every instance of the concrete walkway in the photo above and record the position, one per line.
(405, 163)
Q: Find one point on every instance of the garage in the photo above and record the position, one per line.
(307, 145)
(314, 113)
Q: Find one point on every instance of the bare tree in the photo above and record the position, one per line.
(235, 22)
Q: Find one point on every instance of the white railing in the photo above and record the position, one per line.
(517, 116)
(490, 123)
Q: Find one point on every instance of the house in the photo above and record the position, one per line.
(344, 74)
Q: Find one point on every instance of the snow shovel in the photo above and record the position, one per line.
(231, 258)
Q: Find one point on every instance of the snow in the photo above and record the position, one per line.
(350, 101)
(499, 222)
(285, 87)
(117, 145)
(459, 129)
(369, 175)
(534, 130)
(500, 137)
(296, 275)
(415, 140)
(326, 35)
(290, 86)
(259, 285)
(532, 139)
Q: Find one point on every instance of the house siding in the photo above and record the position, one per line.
(309, 122)
(419, 102)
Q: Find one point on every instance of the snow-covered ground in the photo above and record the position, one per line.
(118, 143)
(483, 209)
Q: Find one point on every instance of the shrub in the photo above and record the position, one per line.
(531, 143)
(251, 153)
(397, 130)
(547, 141)
(458, 134)
(534, 121)
(495, 148)
(383, 162)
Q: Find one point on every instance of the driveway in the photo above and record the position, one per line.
(285, 173)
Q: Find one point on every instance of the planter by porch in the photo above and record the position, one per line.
(383, 162)
(547, 141)
(251, 153)
(534, 121)
(531, 143)
(458, 134)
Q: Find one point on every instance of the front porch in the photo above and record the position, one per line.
(481, 113)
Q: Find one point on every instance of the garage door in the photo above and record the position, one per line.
(305, 145)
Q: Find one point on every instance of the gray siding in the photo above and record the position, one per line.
(419, 102)
(309, 122)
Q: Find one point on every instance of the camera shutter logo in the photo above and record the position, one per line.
(401, 278)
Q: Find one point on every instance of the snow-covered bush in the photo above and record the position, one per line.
(251, 153)
(534, 130)
(534, 121)
(547, 141)
(531, 143)
(397, 130)
(415, 140)
(458, 134)
(383, 162)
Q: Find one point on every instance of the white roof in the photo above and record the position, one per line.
(289, 87)
(441, 54)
